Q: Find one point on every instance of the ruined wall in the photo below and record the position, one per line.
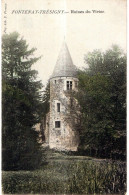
(38, 129)
(46, 128)
(63, 137)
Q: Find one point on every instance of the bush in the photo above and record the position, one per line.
(67, 176)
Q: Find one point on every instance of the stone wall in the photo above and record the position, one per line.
(63, 137)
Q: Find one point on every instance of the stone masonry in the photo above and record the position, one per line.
(61, 135)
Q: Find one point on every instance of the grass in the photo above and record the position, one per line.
(68, 174)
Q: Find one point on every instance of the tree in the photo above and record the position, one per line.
(102, 97)
(45, 110)
(46, 100)
(21, 103)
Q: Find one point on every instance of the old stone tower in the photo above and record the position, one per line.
(63, 80)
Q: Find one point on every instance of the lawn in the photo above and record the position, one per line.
(67, 174)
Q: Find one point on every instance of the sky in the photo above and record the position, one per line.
(83, 32)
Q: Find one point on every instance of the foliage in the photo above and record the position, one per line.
(80, 177)
(102, 98)
(21, 105)
(46, 99)
(45, 110)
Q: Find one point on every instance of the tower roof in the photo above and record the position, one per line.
(64, 65)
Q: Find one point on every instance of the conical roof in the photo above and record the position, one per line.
(64, 65)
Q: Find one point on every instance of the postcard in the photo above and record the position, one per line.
(64, 96)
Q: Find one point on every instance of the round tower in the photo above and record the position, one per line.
(62, 81)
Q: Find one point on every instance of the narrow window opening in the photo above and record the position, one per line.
(55, 81)
(57, 124)
(69, 85)
(58, 107)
